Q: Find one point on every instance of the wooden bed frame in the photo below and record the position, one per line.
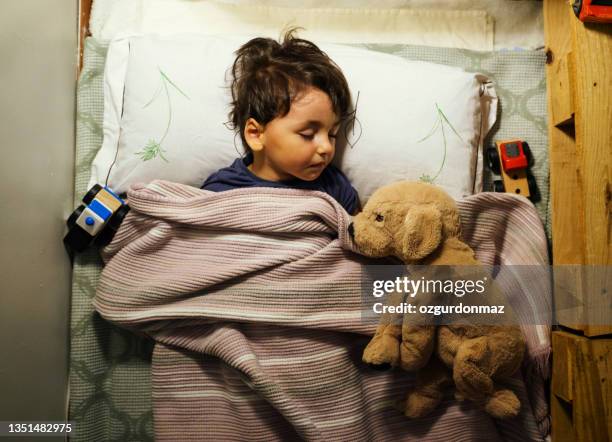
(579, 83)
(84, 13)
(579, 77)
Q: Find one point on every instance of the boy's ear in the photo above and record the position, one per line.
(253, 133)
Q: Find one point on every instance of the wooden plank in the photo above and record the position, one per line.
(602, 355)
(84, 13)
(578, 303)
(565, 177)
(559, 63)
(581, 390)
(592, 390)
(562, 388)
(562, 425)
(592, 44)
(579, 75)
(562, 365)
(593, 106)
(561, 110)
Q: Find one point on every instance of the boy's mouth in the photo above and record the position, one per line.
(317, 166)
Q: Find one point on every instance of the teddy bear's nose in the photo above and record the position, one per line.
(351, 230)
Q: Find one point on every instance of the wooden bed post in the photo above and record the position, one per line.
(579, 83)
(579, 86)
(83, 28)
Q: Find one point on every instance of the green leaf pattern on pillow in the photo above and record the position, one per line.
(441, 121)
(153, 148)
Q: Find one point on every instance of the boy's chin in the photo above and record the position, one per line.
(311, 175)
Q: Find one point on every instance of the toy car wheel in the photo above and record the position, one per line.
(117, 218)
(89, 196)
(76, 240)
(71, 221)
(528, 154)
(111, 228)
(105, 237)
(493, 160)
(577, 6)
(498, 186)
(534, 192)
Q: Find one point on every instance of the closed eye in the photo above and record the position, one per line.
(307, 136)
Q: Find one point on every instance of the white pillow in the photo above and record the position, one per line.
(166, 99)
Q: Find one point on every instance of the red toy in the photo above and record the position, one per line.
(593, 10)
(513, 155)
(511, 160)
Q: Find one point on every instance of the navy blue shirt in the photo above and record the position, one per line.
(331, 181)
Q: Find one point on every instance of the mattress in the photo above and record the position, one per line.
(110, 389)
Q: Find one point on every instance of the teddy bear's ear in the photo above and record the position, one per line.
(422, 232)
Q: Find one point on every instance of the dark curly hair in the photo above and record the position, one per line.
(267, 76)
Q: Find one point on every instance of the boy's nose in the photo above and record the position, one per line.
(325, 147)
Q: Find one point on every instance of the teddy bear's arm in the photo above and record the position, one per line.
(418, 329)
(417, 344)
(383, 350)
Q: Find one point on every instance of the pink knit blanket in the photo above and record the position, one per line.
(253, 298)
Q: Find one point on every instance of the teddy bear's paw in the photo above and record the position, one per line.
(503, 404)
(419, 405)
(382, 352)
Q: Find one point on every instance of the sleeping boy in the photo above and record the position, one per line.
(288, 102)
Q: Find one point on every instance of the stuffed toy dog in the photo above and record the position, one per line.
(419, 223)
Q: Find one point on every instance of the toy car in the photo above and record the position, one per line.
(593, 10)
(96, 221)
(511, 159)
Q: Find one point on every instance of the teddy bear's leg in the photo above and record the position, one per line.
(508, 346)
(473, 367)
(428, 391)
(470, 379)
(447, 345)
(503, 404)
(383, 350)
(417, 344)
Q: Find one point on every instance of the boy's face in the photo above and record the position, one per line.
(300, 144)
